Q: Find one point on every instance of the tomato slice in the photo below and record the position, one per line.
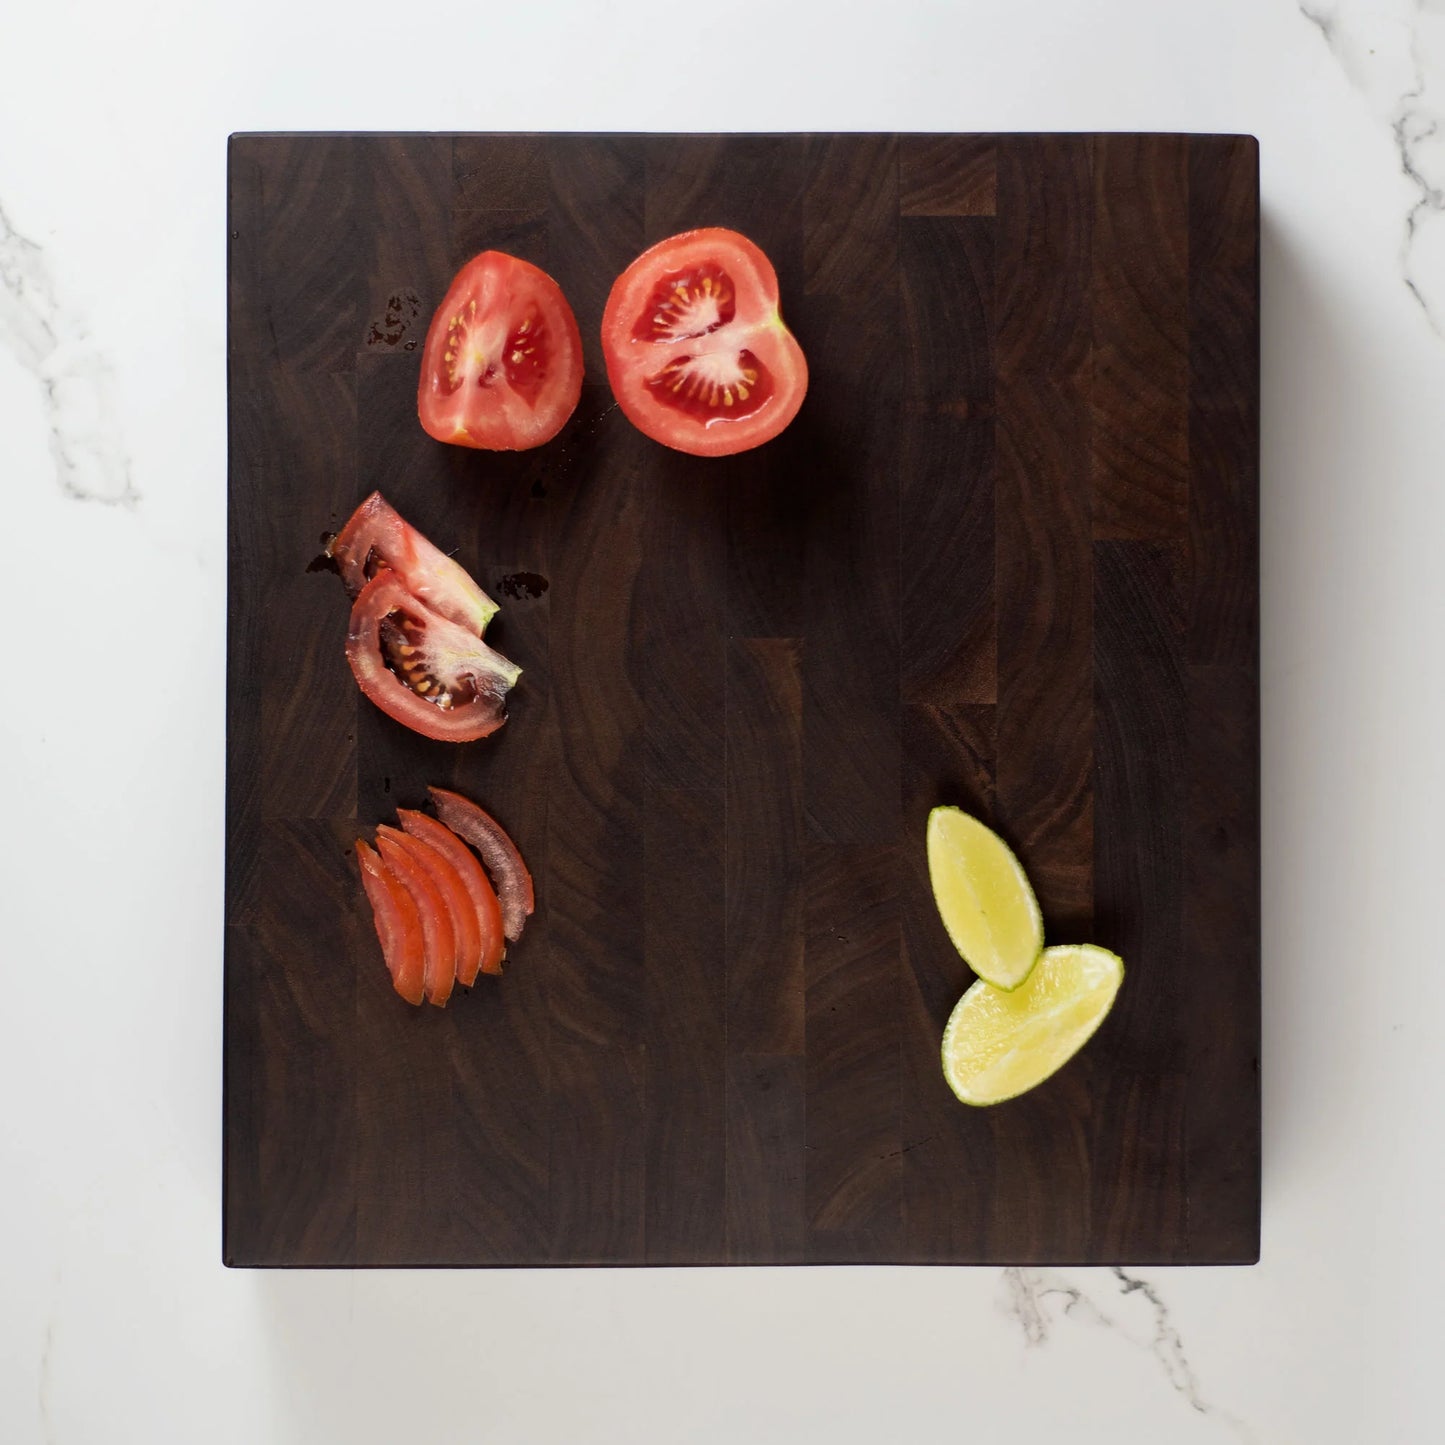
(502, 365)
(376, 536)
(438, 939)
(697, 352)
(466, 932)
(499, 853)
(484, 901)
(398, 924)
(422, 669)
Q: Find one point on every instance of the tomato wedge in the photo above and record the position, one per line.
(421, 668)
(376, 536)
(438, 939)
(499, 853)
(398, 924)
(484, 900)
(466, 932)
(502, 365)
(696, 349)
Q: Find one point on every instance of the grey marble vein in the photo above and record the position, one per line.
(1393, 54)
(1033, 1295)
(75, 380)
(1167, 1345)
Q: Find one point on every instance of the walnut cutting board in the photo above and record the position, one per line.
(1006, 557)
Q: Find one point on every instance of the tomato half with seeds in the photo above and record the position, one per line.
(398, 924)
(484, 901)
(697, 352)
(377, 536)
(502, 366)
(421, 668)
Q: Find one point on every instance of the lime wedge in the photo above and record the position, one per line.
(984, 898)
(998, 1044)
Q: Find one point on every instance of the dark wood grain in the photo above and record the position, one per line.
(947, 175)
(1006, 557)
(685, 1021)
(1043, 507)
(764, 807)
(1138, 1174)
(1140, 304)
(947, 650)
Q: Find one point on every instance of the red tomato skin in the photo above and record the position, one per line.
(466, 933)
(398, 925)
(436, 926)
(484, 898)
(499, 853)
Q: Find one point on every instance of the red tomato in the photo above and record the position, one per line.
(696, 350)
(466, 932)
(484, 900)
(376, 536)
(419, 667)
(502, 365)
(438, 939)
(499, 853)
(398, 924)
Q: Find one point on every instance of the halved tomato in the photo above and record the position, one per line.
(484, 900)
(422, 668)
(466, 932)
(398, 924)
(696, 349)
(499, 853)
(438, 938)
(376, 536)
(502, 365)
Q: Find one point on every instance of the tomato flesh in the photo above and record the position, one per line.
(483, 899)
(421, 668)
(499, 853)
(466, 933)
(502, 365)
(398, 924)
(697, 352)
(438, 938)
(376, 536)
(698, 385)
(688, 303)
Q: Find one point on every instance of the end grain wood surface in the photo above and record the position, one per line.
(1006, 557)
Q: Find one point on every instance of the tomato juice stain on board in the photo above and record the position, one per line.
(522, 584)
(402, 309)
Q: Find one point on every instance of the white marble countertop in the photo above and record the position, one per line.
(117, 1321)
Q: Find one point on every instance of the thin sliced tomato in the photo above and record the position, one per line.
(484, 900)
(398, 924)
(438, 939)
(499, 853)
(502, 365)
(696, 349)
(376, 536)
(466, 932)
(421, 668)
